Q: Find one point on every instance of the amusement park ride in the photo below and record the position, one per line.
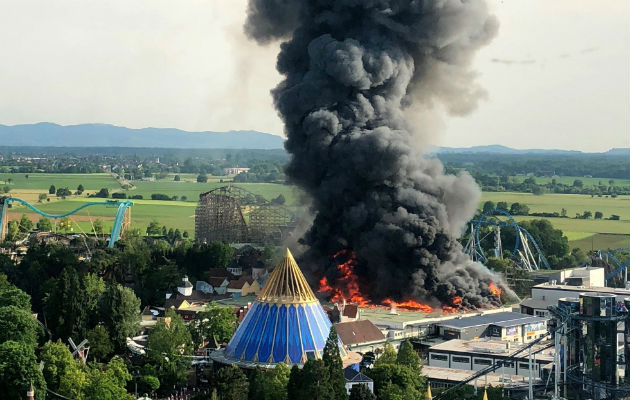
(526, 251)
(121, 221)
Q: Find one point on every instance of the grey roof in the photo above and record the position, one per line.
(535, 303)
(353, 375)
(499, 319)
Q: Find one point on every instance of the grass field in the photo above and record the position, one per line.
(192, 189)
(581, 233)
(568, 180)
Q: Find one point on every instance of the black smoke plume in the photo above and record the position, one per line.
(351, 67)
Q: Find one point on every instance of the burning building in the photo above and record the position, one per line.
(352, 72)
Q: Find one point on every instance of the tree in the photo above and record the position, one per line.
(538, 190)
(216, 322)
(202, 178)
(57, 361)
(578, 183)
(148, 384)
(361, 392)
(502, 205)
(19, 325)
(44, 224)
(13, 296)
(65, 305)
(63, 192)
(52, 189)
(563, 212)
(177, 178)
(42, 197)
(519, 209)
(154, 229)
(587, 214)
(276, 382)
(169, 341)
(26, 225)
(393, 381)
(269, 385)
(315, 384)
(388, 356)
(101, 346)
(65, 224)
(256, 390)
(231, 383)
(334, 365)
(599, 215)
(13, 231)
(97, 226)
(104, 193)
(488, 206)
(408, 357)
(80, 189)
(109, 383)
(280, 200)
(119, 311)
(18, 369)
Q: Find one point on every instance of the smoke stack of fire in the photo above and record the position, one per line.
(351, 68)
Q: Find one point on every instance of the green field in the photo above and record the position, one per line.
(581, 233)
(192, 189)
(568, 180)
(173, 214)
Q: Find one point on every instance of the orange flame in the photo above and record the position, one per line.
(347, 288)
(494, 289)
(410, 305)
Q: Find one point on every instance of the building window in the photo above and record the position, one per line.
(439, 357)
(540, 313)
(461, 359)
(482, 361)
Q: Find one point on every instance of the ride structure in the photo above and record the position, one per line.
(234, 215)
(122, 219)
(612, 257)
(526, 251)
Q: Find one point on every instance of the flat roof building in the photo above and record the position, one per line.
(508, 326)
(475, 355)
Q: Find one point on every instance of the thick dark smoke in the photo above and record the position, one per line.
(351, 67)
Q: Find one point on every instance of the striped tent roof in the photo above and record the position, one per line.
(286, 323)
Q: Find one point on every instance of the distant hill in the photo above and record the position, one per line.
(498, 149)
(102, 135)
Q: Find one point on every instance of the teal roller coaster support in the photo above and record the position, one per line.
(118, 220)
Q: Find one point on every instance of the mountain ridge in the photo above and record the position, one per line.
(93, 135)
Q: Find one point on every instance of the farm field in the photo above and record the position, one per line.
(585, 234)
(582, 233)
(568, 180)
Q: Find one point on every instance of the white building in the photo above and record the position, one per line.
(475, 355)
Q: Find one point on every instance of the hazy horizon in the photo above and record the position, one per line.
(556, 76)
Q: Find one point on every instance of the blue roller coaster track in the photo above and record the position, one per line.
(118, 220)
(511, 223)
(610, 254)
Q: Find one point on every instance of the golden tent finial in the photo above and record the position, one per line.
(287, 284)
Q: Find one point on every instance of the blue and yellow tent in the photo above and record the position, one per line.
(286, 323)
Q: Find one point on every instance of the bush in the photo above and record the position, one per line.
(119, 195)
(160, 196)
(136, 197)
(104, 193)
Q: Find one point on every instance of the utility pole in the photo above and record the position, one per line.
(531, 380)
